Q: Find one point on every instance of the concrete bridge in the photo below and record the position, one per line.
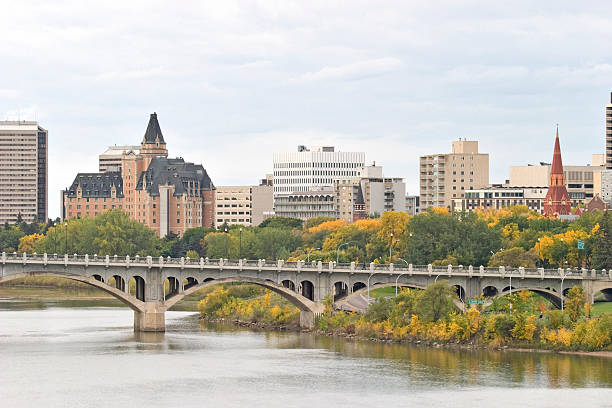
(305, 285)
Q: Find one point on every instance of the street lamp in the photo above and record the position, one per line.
(55, 237)
(66, 242)
(340, 246)
(313, 249)
(398, 276)
(539, 244)
(240, 242)
(227, 245)
(391, 249)
(561, 293)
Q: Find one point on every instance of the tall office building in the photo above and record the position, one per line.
(23, 171)
(314, 169)
(447, 176)
(609, 134)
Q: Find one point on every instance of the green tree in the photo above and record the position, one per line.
(601, 257)
(514, 257)
(313, 222)
(436, 301)
(281, 222)
(9, 239)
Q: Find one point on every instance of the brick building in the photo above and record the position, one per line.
(168, 195)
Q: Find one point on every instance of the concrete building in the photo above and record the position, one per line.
(447, 176)
(608, 152)
(306, 204)
(412, 205)
(23, 171)
(110, 160)
(579, 180)
(501, 196)
(313, 169)
(369, 194)
(244, 205)
(602, 185)
(168, 195)
(262, 201)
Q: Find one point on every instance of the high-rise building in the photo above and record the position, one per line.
(314, 169)
(557, 201)
(609, 134)
(110, 160)
(447, 176)
(168, 195)
(23, 171)
(305, 204)
(412, 205)
(369, 194)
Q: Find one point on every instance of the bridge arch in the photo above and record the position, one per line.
(296, 299)
(548, 294)
(133, 303)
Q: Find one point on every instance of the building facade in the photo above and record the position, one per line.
(111, 159)
(168, 195)
(412, 205)
(447, 176)
(608, 153)
(306, 204)
(369, 194)
(602, 185)
(23, 171)
(497, 197)
(313, 169)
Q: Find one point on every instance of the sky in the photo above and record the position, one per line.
(234, 81)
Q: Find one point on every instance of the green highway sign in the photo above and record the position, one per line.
(476, 301)
(580, 244)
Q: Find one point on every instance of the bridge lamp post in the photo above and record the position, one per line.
(240, 243)
(314, 249)
(399, 276)
(227, 245)
(372, 274)
(391, 249)
(55, 237)
(66, 232)
(561, 293)
(340, 246)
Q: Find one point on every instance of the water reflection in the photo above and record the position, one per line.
(66, 351)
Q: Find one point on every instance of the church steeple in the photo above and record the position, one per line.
(557, 201)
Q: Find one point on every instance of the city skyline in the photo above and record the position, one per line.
(249, 79)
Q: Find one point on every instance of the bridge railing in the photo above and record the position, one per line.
(319, 266)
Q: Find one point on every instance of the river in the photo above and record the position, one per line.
(85, 354)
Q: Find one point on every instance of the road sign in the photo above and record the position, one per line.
(476, 301)
(580, 244)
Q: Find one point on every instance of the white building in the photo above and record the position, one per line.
(110, 160)
(314, 169)
(497, 197)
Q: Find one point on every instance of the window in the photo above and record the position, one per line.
(178, 220)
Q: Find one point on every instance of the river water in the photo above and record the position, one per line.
(81, 354)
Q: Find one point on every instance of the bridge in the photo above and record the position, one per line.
(303, 284)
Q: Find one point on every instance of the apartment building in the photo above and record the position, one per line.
(447, 176)
(23, 171)
(501, 196)
(169, 195)
(313, 169)
(602, 185)
(412, 205)
(369, 194)
(608, 153)
(110, 160)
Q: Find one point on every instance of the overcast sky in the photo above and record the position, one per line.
(234, 81)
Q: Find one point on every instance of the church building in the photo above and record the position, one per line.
(557, 201)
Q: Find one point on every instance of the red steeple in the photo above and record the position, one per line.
(557, 200)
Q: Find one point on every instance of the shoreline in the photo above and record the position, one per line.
(259, 326)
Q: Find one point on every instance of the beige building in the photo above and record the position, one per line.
(369, 194)
(244, 205)
(497, 197)
(110, 160)
(608, 160)
(23, 171)
(602, 185)
(306, 204)
(578, 179)
(412, 205)
(447, 176)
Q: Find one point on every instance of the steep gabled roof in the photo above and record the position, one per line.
(153, 133)
(96, 185)
(557, 163)
(175, 172)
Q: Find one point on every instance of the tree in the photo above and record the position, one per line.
(27, 243)
(313, 222)
(601, 257)
(436, 301)
(9, 239)
(216, 244)
(574, 304)
(514, 257)
(281, 222)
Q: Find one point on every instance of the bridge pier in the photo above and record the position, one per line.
(152, 319)
(307, 319)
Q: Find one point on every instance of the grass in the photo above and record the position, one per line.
(383, 292)
(600, 308)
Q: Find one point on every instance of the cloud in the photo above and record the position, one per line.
(353, 71)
